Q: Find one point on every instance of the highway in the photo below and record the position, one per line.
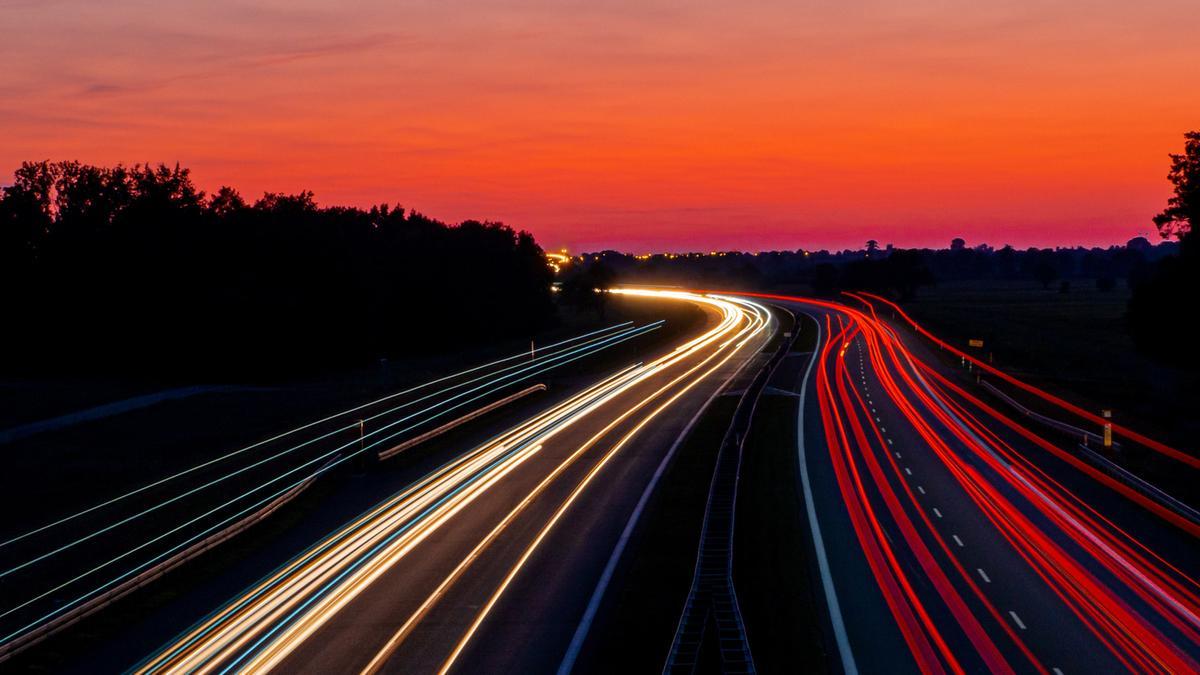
(487, 562)
(950, 539)
(946, 536)
(66, 558)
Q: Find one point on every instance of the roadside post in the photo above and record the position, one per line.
(976, 343)
(1107, 415)
(362, 462)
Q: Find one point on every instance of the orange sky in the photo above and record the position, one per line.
(637, 125)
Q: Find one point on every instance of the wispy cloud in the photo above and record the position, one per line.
(225, 64)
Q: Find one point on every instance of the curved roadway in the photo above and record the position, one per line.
(489, 562)
(953, 540)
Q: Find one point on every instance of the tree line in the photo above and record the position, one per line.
(1164, 278)
(899, 271)
(134, 268)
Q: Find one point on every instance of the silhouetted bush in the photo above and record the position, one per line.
(580, 286)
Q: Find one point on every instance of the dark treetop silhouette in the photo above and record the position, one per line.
(134, 268)
(1173, 286)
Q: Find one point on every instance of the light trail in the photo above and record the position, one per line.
(1156, 446)
(1140, 608)
(265, 625)
(414, 503)
(397, 639)
(159, 482)
(552, 356)
(759, 323)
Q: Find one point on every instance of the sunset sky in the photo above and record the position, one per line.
(637, 125)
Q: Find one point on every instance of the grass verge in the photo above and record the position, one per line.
(642, 608)
(771, 565)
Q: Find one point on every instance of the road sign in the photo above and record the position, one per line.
(975, 342)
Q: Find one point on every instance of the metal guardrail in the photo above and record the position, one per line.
(433, 433)
(712, 600)
(1114, 470)
(118, 592)
(1059, 425)
(132, 584)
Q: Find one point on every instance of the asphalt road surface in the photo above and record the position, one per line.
(947, 537)
(488, 562)
(949, 541)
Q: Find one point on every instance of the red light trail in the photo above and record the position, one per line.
(1143, 609)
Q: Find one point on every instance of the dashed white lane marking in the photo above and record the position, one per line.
(958, 541)
(936, 512)
(897, 453)
(884, 430)
(1017, 619)
(983, 575)
(877, 419)
(1057, 671)
(908, 470)
(920, 489)
(889, 441)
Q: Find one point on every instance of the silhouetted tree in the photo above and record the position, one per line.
(226, 202)
(586, 288)
(1162, 292)
(1006, 262)
(1044, 272)
(1139, 245)
(25, 218)
(1183, 208)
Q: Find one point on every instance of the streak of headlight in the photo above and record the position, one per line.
(328, 457)
(334, 589)
(755, 327)
(295, 430)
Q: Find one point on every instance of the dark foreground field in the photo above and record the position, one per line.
(1072, 344)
